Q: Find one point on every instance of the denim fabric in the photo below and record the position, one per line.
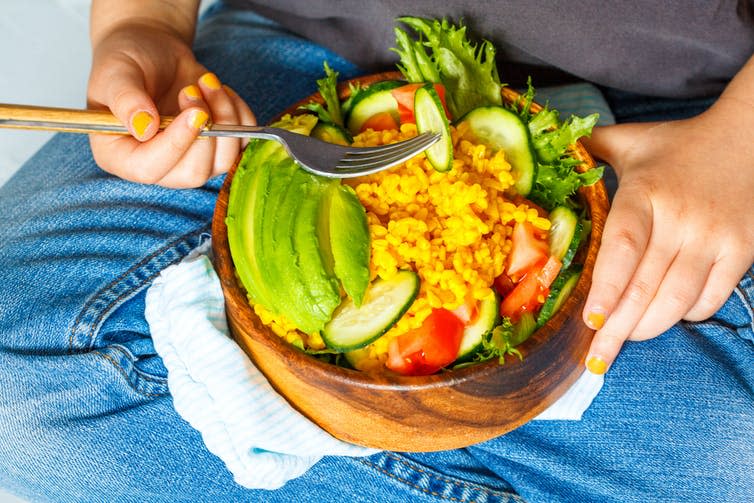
(85, 414)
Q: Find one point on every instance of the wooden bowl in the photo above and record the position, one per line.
(444, 411)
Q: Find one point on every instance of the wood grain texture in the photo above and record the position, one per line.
(68, 119)
(445, 411)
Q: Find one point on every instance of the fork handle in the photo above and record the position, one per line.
(64, 119)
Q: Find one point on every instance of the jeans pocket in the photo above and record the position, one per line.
(428, 484)
(112, 324)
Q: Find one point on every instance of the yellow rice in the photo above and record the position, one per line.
(452, 228)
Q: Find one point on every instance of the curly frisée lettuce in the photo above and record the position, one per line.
(467, 70)
(443, 54)
(557, 179)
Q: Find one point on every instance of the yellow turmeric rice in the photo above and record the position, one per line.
(452, 228)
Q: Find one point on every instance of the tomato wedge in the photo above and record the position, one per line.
(404, 95)
(427, 349)
(530, 293)
(382, 121)
(527, 250)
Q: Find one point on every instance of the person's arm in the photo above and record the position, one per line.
(680, 233)
(142, 67)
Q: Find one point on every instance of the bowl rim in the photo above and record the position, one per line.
(594, 197)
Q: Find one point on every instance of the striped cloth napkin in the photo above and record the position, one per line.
(263, 441)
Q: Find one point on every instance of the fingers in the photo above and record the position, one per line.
(619, 264)
(678, 292)
(246, 116)
(610, 143)
(209, 156)
(223, 112)
(150, 162)
(244, 112)
(725, 271)
(653, 269)
(174, 157)
(121, 88)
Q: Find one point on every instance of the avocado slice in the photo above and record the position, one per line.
(295, 237)
(322, 285)
(274, 228)
(349, 241)
(307, 295)
(248, 194)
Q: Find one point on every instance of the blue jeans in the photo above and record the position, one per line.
(85, 413)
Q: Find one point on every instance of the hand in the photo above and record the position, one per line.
(680, 233)
(140, 71)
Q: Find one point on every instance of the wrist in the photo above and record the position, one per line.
(176, 18)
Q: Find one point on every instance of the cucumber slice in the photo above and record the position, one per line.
(430, 117)
(502, 129)
(559, 292)
(331, 133)
(383, 305)
(473, 334)
(370, 101)
(565, 234)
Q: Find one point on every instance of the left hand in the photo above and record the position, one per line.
(680, 233)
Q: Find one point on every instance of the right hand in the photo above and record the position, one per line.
(140, 71)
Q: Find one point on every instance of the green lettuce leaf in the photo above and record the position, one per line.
(558, 181)
(498, 343)
(443, 54)
(328, 87)
(551, 139)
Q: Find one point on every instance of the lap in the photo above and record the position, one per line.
(85, 412)
(673, 422)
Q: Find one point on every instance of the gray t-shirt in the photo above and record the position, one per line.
(670, 48)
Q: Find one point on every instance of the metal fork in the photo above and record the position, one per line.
(315, 156)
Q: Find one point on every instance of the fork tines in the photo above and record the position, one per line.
(363, 161)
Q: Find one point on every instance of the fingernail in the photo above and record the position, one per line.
(595, 320)
(198, 118)
(140, 122)
(210, 80)
(596, 365)
(192, 92)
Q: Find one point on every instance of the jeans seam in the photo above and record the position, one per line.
(108, 298)
(446, 480)
(120, 349)
(124, 373)
(93, 326)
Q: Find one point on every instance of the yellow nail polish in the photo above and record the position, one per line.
(210, 80)
(596, 365)
(595, 320)
(198, 118)
(192, 92)
(140, 122)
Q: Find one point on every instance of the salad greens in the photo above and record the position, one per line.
(449, 78)
(331, 112)
(443, 54)
(556, 180)
(497, 343)
(467, 70)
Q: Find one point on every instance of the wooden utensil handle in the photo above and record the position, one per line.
(64, 119)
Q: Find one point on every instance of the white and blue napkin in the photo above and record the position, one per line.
(263, 441)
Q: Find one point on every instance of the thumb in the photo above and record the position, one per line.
(610, 143)
(122, 89)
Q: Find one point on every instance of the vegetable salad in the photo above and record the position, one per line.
(471, 245)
